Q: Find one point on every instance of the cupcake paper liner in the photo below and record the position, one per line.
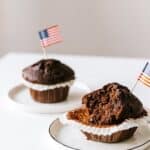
(115, 137)
(50, 96)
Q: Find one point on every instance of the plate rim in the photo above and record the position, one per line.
(53, 137)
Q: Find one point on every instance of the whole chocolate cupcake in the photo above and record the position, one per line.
(111, 114)
(49, 80)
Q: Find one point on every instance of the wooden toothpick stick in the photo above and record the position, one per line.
(44, 52)
(134, 85)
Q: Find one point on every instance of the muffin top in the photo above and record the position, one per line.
(112, 105)
(48, 71)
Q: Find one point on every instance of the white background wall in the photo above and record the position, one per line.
(98, 27)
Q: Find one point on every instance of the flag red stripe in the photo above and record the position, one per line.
(46, 39)
(50, 44)
(49, 41)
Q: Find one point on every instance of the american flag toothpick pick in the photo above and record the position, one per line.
(144, 77)
(49, 36)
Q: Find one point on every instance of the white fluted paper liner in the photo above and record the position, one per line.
(41, 87)
(127, 124)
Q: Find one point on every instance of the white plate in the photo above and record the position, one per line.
(20, 96)
(72, 138)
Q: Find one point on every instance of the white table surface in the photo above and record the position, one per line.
(25, 131)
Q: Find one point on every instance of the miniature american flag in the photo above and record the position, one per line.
(50, 36)
(145, 75)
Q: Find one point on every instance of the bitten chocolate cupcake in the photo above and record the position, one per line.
(111, 114)
(48, 80)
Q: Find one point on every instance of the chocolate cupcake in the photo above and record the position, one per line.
(49, 80)
(111, 114)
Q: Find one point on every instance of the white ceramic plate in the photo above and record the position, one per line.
(72, 138)
(21, 98)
